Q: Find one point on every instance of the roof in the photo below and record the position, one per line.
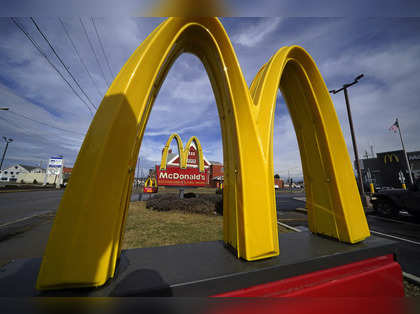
(171, 156)
(29, 168)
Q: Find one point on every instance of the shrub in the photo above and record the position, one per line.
(190, 195)
(201, 203)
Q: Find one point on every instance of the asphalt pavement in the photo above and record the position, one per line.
(17, 205)
(404, 229)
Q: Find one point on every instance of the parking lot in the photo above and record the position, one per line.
(404, 229)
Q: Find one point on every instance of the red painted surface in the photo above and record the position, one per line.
(375, 277)
(175, 176)
(150, 189)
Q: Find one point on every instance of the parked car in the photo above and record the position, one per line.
(388, 202)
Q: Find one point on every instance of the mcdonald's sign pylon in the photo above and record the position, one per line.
(85, 240)
(192, 169)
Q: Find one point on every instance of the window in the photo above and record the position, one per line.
(11, 172)
(5, 172)
(16, 167)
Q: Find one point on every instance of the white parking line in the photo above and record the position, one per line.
(394, 220)
(394, 237)
(412, 277)
(302, 198)
(288, 227)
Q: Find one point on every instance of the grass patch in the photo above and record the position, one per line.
(148, 228)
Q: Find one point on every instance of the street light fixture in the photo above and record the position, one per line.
(356, 153)
(7, 140)
(4, 108)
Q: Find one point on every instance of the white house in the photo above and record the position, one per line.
(11, 174)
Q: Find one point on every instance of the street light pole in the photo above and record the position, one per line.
(410, 175)
(7, 140)
(353, 137)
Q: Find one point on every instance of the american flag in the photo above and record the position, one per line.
(395, 126)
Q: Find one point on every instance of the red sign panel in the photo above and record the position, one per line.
(175, 176)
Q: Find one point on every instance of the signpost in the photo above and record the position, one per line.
(55, 168)
(185, 169)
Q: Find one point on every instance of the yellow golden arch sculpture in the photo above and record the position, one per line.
(85, 240)
(183, 152)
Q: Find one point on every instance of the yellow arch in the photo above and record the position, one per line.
(183, 152)
(150, 182)
(85, 240)
(164, 160)
(332, 197)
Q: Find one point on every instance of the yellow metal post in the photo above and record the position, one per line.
(372, 188)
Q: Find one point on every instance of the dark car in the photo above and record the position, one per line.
(390, 201)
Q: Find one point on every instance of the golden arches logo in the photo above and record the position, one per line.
(390, 157)
(183, 152)
(150, 182)
(85, 254)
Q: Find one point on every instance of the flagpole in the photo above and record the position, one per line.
(405, 153)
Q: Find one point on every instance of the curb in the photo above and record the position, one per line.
(27, 190)
(11, 228)
(26, 218)
(411, 278)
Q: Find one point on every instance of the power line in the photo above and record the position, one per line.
(93, 50)
(62, 62)
(102, 47)
(80, 57)
(43, 123)
(49, 62)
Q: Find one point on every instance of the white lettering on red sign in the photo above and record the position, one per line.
(182, 177)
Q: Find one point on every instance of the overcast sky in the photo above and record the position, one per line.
(385, 50)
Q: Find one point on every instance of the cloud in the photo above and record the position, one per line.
(254, 34)
(385, 50)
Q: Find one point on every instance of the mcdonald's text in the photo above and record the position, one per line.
(175, 176)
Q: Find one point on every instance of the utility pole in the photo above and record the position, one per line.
(353, 137)
(138, 173)
(7, 140)
(397, 124)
